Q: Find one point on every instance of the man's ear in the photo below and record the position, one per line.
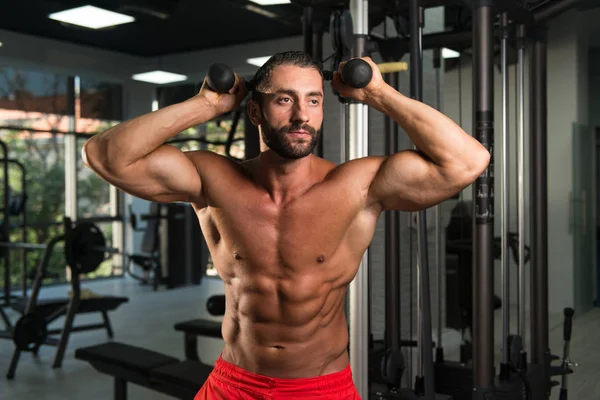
(253, 110)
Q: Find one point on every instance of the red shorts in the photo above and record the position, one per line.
(230, 382)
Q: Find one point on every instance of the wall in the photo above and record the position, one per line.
(594, 86)
(19, 50)
(594, 110)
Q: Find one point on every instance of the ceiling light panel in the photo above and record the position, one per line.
(91, 17)
(270, 2)
(159, 77)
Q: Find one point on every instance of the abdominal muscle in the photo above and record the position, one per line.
(268, 335)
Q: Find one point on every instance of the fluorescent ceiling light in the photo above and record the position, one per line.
(447, 53)
(270, 2)
(91, 17)
(258, 61)
(159, 77)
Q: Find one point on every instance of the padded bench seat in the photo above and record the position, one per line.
(44, 307)
(200, 327)
(146, 368)
(194, 328)
(100, 304)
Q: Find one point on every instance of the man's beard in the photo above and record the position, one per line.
(287, 146)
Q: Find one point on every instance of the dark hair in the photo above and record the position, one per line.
(262, 77)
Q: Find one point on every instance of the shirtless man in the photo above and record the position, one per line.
(287, 229)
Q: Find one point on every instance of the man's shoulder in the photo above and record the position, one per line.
(202, 155)
(208, 158)
(357, 169)
(212, 165)
(354, 178)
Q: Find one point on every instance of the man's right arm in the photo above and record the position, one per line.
(132, 156)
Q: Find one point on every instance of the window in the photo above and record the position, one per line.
(36, 125)
(212, 135)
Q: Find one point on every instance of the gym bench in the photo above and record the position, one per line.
(215, 305)
(147, 368)
(194, 328)
(157, 371)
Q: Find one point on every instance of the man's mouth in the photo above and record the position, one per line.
(299, 133)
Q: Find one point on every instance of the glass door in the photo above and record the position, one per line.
(583, 222)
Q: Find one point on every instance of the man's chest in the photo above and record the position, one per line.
(307, 230)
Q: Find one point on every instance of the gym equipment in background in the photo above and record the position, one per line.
(158, 372)
(149, 257)
(84, 250)
(14, 206)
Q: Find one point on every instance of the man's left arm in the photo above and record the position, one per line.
(447, 161)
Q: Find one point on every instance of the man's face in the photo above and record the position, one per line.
(292, 111)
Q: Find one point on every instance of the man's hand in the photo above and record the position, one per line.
(364, 94)
(225, 102)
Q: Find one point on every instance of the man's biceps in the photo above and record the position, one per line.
(183, 179)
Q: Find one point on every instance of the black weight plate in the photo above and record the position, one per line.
(30, 332)
(83, 247)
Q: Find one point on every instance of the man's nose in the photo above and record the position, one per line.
(300, 113)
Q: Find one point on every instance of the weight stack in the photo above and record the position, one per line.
(539, 382)
(513, 389)
(380, 393)
(454, 379)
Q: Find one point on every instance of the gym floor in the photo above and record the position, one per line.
(148, 319)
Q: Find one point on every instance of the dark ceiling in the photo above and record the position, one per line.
(161, 26)
(175, 26)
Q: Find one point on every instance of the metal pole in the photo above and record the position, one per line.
(345, 131)
(504, 216)
(307, 28)
(521, 178)
(392, 244)
(72, 155)
(439, 256)
(539, 197)
(425, 340)
(71, 150)
(359, 288)
(317, 50)
(317, 55)
(483, 203)
(416, 91)
(313, 45)
(24, 231)
(6, 223)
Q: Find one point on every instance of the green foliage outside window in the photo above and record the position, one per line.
(42, 153)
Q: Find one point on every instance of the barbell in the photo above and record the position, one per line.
(85, 247)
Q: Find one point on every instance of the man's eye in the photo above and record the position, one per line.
(284, 100)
